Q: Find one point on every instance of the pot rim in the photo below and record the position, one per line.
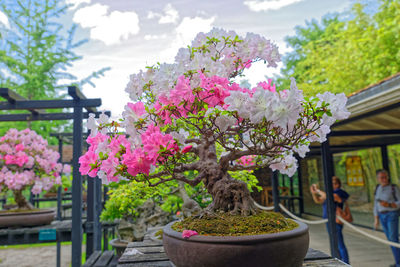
(118, 241)
(300, 230)
(41, 211)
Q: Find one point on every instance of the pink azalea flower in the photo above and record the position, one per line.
(137, 162)
(186, 149)
(19, 147)
(188, 233)
(85, 162)
(267, 86)
(138, 108)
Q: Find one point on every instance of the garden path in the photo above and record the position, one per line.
(363, 252)
(44, 256)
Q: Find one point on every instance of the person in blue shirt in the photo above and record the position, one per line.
(386, 210)
(339, 197)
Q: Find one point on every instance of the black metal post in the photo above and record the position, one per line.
(59, 196)
(275, 190)
(97, 211)
(385, 158)
(58, 257)
(327, 162)
(91, 194)
(291, 201)
(300, 184)
(105, 230)
(59, 217)
(77, 231)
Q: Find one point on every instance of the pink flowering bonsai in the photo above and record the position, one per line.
(192, 117)
(27, 162)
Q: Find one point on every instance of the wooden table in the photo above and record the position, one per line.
(151, 253)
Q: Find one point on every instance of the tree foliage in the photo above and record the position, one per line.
(347, 51)
(36, 51)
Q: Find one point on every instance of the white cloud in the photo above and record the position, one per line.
(185, 33)
(76, 3)
(190, 27)
(257, 6)
(108, 28)
(170, 15)
(4, 20)
(154, 37)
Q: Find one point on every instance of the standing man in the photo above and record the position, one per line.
(386, 210)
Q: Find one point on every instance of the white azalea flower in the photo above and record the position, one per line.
(92, 125)
(287, 165)
(224, 122)
(103, 177)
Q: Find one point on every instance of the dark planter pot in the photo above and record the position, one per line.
(28, 218)
(10, 206)
(119, 246)
(285, 249)
(50, 195)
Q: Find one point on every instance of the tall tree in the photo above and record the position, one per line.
(292, 61)
(36, 50)
(349, 52)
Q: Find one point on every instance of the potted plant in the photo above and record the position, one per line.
(135, 207)
(27, 163)
(138, 208)
(66, 183)
(183, 114)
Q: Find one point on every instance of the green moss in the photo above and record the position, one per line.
(159, 234)
(228, 225)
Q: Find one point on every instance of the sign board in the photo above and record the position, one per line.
(47, 234)
(354, 171)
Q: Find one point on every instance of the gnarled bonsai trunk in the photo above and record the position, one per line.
(229, 195)
(21, 200)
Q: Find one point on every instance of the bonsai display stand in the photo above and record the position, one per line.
(151, 253)
(102, 259)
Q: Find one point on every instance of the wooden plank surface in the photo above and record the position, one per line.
(147, 250)
(143, 257)
(144, 244)
(114, 261)
(104, 259)
(148, 264)
(92, 259)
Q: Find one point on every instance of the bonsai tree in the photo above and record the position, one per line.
(182, 112)
(27, 162)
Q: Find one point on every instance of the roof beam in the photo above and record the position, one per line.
(366, 115)
(77, 94)
(364, 132)
(12, 97)
(49, 104)
(42, 116)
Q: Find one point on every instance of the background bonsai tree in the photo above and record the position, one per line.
(185, 110)
(26, 161)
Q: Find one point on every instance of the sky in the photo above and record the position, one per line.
(128, 35)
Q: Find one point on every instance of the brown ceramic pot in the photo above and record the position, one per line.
(28, 218)
(285, 249)
(50, 195)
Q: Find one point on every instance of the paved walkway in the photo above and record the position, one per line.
(363, 251)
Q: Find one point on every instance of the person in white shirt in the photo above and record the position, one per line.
(386, 210)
